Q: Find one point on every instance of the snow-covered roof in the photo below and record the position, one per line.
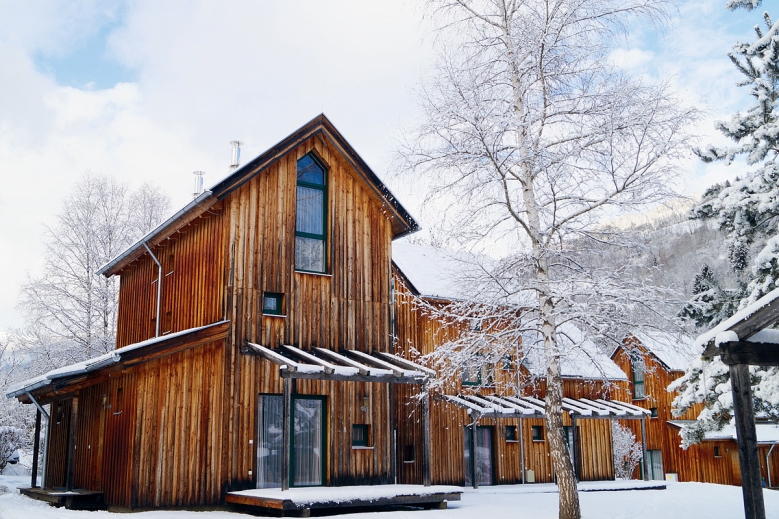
(676, 351)
(434, 272)
(82, 368)
(766, 432)
(581, 357)
(745, 313)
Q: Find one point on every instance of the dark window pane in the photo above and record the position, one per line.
(309, 254)
(271, 303)
(309, 170)
(360, 435)
(511, 433)
(310, 211)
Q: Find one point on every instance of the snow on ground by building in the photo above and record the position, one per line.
(678, 501)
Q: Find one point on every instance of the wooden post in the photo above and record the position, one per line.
(522, 451)
(46, 437)
(71, 444)
(575, 453)
(426, 438)
(644, 465)
(751, 487)
(35, 449)
(474, 479)
(286, 437)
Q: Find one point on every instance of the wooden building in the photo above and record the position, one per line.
(265, 339)
(257, 316)
(509, 441)
(652, 362)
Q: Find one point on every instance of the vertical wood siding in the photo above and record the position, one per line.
(423, 333)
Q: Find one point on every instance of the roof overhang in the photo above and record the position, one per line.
(69, 378)
(402, 221)
(346, 365)
(501, 406)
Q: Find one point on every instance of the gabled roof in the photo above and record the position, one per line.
(432, 272)
(402, 222)
(580, 357)
(673, 351)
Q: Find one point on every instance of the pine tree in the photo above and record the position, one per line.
(710, 303)
(748, 211)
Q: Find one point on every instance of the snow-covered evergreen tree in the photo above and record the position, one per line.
(748, 211)
(710, 303)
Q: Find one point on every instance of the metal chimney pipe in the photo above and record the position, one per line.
(235, 159)
(198, 183)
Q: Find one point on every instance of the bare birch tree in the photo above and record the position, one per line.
(531, 141)
(71, 312)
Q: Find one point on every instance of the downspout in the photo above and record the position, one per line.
(768, 464)
(159, 290)
(45, 416)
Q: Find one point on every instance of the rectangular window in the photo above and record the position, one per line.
(716, 452)
(408, 454)
(653, 412)
(638, 379)
(311, 212)
(119, 401)
(507, 363)
(472, 376)
(510, 433)
(360, 435)
(538, 433)
(272, 303)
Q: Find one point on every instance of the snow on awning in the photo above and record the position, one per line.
(138, 352)
(349, 365)
(494, 406)
(767, 433)
(744, 324)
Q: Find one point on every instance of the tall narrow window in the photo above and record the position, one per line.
(310, 223)
(638, 379)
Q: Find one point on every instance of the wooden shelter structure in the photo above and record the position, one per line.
(741, 341)
(523, 407)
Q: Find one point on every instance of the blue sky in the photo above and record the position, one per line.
(151, 91)
(87, 62)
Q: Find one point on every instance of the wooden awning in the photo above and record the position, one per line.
(346, 365)
(493, 406)
(68, 378)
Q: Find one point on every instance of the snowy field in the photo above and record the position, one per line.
(678, 501)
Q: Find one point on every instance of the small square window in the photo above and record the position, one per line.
(472, 376)
(653, 412)
(408, 454)
(360, 433)
(507, 363)
(538, 433)
(272, 303)
(511, 433)
(717, 452)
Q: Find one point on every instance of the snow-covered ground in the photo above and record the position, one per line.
(678, 501)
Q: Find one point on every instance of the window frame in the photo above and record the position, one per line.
(510, 434)
(634, 364)
(279, 297)
(324, 188)
(537, 429)
(366, 429)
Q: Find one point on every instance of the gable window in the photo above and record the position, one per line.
(637, 367)
(272, 304)
(310, 219)
(538, 433)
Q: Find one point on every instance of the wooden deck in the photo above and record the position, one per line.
(77, 499)
(301, 502)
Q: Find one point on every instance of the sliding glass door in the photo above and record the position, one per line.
(484, 455)
(308, 441)
(270, 443)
